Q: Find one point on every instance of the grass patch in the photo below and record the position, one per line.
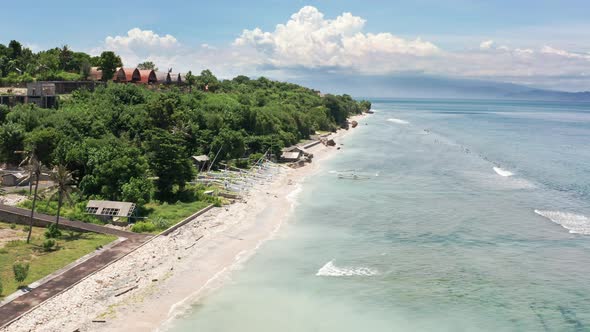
(70, 247)
(164, 215)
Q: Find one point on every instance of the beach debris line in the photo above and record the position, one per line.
(192, 245)
(126, 291)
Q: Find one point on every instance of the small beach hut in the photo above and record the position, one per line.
(201, 161)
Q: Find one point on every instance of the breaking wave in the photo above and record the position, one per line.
(503, 172)
(575, 223)
(331, 270)
(398, 121)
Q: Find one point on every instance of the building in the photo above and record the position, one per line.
(162, 77)
(176, 78)
(147, 77)
(290, 156)
(107, 210)
(201, 161)
(14, 179)
(127, 75)
(41, 93)
(294, 154)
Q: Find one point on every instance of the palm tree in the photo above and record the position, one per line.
(62, 189)
(34, 166)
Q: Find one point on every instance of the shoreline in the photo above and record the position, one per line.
(173, 272)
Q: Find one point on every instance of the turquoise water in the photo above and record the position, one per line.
(435, 239)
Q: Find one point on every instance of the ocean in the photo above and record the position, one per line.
(465, 216)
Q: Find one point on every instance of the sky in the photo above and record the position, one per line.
(540, 43)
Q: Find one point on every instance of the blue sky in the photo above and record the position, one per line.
(541, 43)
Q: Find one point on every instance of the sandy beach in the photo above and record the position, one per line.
(172, 272)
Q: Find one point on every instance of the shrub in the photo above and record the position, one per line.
(26, 228)
(21, 271)
(48, 244)
(52, 232)
(143, 227)
(161, 223)
(1, 288)
(12, 226)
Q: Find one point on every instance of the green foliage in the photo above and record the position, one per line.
(147, 65)
(49, 244)
(138, 190)
(169, 161)
(52, 232)
(143, 227)
(108, 63)
(21, 271)
(1, 287)
(12, 137)
(12, 226)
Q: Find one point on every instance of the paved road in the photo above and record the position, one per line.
(26, 302)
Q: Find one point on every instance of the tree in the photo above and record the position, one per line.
(62, 178)
(109, 62)
(85, 68)
(12, 137)
(34, 166)
(15, 49)
(147, 65)
(190, 80)
(65, 58)
(169, 161)
(21, 272)
(138, 190)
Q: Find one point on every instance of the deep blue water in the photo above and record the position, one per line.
(473, 216)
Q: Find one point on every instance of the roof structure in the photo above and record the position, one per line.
(201, 158)
(110, 208)
(291, 155)
(163, 77)
(174, 77)
(147, 76)
(127, 75)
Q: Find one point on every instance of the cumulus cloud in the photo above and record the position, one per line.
(139, 39)
(310, 40)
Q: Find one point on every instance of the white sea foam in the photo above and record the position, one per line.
(575, 223)
(398, 121)
(503, 172)
(293, 196)
(331, 270)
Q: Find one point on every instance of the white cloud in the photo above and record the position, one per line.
(486, 45)
(137, 38)
(310, 40)
(555, 51)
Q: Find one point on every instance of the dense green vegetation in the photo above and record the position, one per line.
(19, 64)
(70, 246)
(127, 142)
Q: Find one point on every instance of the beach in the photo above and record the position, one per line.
(170, 273)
